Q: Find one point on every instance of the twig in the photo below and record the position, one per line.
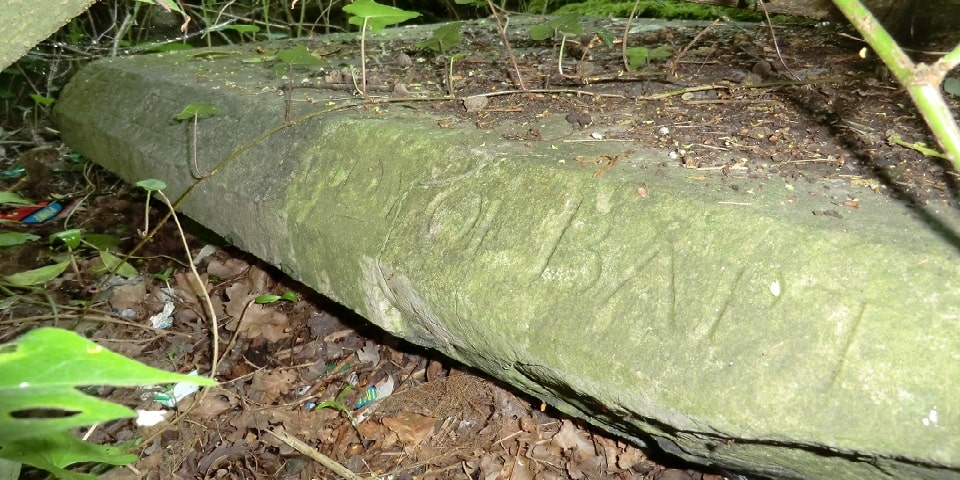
(626, 35)
(305, 449)
(676, 60)
(773, 38)
(506, 43)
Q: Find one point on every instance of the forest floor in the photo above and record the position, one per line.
(723, 99)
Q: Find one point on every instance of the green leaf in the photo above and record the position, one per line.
(637, 57)
(661, 52)
(569, 24)
(566, 25)
(951, 85)
(9, 239)
(151, 184)
(200, 110)
(40, 402)
(55, 452)
(541, 31)
(35, 277)
(298, 55)
(14, 198)
(266, 298)
(111, 262)
(290, 296)
(164, 276)
(101, 241)
(42, 370)
(42, 99)
(71, 238)
(606, 36)
(377, 16)
(243, 28)
(443, 38)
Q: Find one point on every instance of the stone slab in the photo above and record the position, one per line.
(734, 327)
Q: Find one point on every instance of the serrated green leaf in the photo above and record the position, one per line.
(637, 57)
(42, 369)
(55, 452)
(35, 277)
(14, 198)
(377, 15)
(9, 239)
(298, 55)
(200, 110)
(151, 184)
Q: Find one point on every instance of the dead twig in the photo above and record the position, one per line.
(307, 450)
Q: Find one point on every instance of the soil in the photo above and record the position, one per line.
(724, 99)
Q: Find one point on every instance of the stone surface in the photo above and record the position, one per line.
(27, 22)
(730, 327)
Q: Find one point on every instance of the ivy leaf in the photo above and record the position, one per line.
(298, 55)
(566, 25)
(152, 184)
(443, 38)
(376, 15)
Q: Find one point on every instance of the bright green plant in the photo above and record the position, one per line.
(267, 298)
(444, 38)
(640, 56)
(73, 240)
(368, 13)
(565, 25)
(338, 403)
(40, 400)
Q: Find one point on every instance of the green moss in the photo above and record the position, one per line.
(666, 9)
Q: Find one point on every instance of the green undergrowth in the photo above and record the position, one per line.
(669, 9)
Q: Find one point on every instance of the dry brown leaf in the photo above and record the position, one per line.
(267, 386)
(229, 268)
(411, 428)
(128, 296)
(212, 406)
(571, 437)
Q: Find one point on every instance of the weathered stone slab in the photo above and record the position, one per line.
(731, 327)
